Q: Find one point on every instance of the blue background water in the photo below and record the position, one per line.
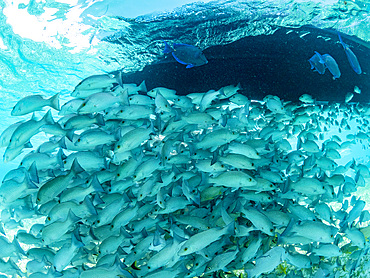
(47, 47)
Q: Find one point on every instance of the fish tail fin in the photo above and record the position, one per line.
(60, 157)
(76, 240)
(90, 206)
(54, 102)
(91, 233)
(76, 167)
(100, 120)
(124, 97)
(167, 48)
(142, 87)
(287, 230)
(48, 118)
(73, 217)
(225, 216)
(230, 228)
(119, 78)
(341, 41)
(18, 247)
(96, 185)
(320, 57)
(33, 174)
(2, 231)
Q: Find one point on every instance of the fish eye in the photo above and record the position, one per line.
(257, 153)
(185, 249)
(65, 161)
(49, 218)
(135, 176)
(222, 166)
(98, 221)
(83, 104)
(121, 111)
(38, 199)
(119, 146)
(271, 230)
(21, 163)
(112, 226)
(118, 174)
(78, 140)
(252, 164)
(250, 179)
(196, 264)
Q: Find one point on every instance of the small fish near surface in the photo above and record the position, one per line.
(352, 59)
(34, 103)
(186, 54)
(316, 65)
(321, 62)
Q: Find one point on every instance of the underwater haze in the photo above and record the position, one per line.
(184, 138)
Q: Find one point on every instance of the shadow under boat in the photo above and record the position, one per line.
(274, 64)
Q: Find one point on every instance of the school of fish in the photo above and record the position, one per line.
(137, 183)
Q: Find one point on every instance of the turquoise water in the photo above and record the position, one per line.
(48, 47)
